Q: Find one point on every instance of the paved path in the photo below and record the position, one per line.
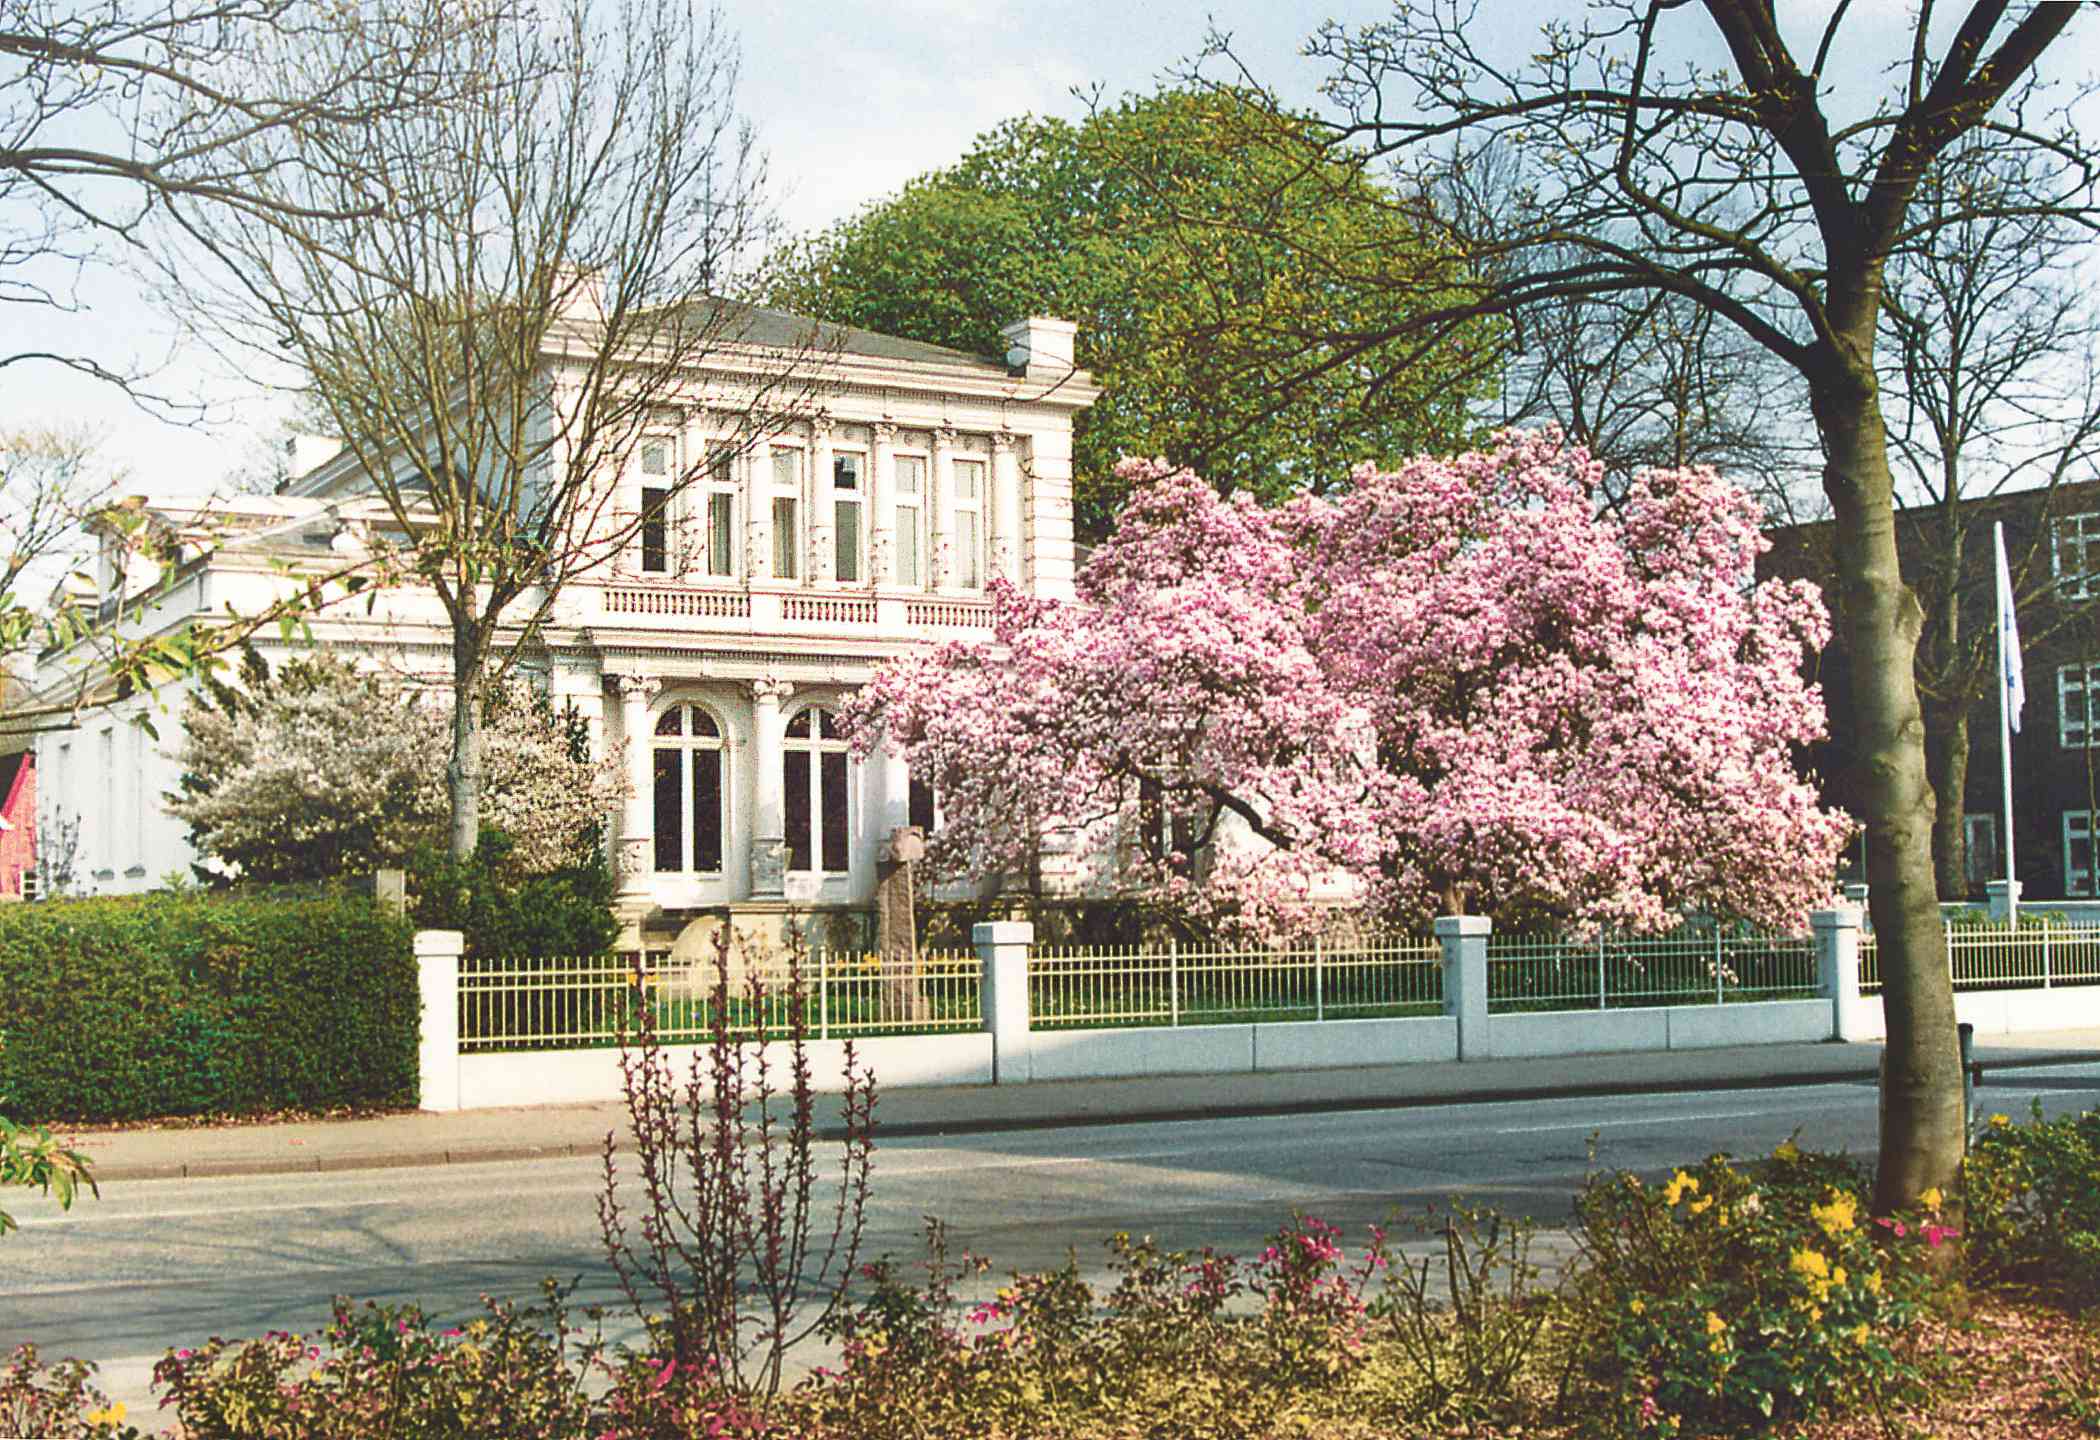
(523, 1133)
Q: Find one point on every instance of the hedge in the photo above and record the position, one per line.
(134, 1008)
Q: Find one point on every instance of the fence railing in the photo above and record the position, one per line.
(1099, 987)
(593, 1000)
(1997, 957)
(1687, 968)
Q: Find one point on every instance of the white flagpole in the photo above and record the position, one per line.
(2008, 666)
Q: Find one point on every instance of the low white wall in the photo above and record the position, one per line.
(2001, 1012)
(1331, 1044)
(1577, 1032)
(1762, 1022)
(1154, 1050)
(562, 1077)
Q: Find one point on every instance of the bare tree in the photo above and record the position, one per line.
(1992, 389)
(538, 289)
(1735, 186)
(111, 109)
(50, 480)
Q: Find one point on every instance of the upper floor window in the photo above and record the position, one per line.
(2075, 555)
(654, 459)
(1979, 848)
(848, 493)
(688, 791)
(911, 519)
(921, 805)
(720, 514)
(2080, 874)
(813, 793)
(2077, 704)
(787, 508)
(969, 524)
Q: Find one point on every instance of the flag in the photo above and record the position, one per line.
(2011, 678)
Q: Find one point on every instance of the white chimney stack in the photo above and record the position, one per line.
(1040, 344)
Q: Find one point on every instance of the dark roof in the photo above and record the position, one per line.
(756, 325)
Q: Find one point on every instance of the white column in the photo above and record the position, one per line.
(882, 505)
(942, 485)
(1003, 510)
(822, 568)
(1002, 949)
(769, 824)
(1837, 971)
(637, 824)
(1465, 942)
(437, 982)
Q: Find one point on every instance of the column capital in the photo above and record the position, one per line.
(885, 432)
(1003, 442)
(945, 435)
(771, 689)
(821, 426)
(637, 689)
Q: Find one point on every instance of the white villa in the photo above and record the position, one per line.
(717, 645)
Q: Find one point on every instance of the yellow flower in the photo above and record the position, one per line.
(1700, 1207)
(1931, 1200)
(1873, 1282)
(1999, 1122)
(1638, 1306)
(1679, 1184)
(1787, 1151)
(112, 1416)
(1837, 1276)
(1809, 1265)
(1858, 1333)
(1838, 1215)
(1714, 1323)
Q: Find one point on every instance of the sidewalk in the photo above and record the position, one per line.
(526, 1133)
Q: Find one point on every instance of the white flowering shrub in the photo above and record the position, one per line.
(323, 770)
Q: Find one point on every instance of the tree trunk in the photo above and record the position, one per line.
(1922, 1122)
(463, 773)
(1947, 764)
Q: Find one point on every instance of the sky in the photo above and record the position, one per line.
(851, 98)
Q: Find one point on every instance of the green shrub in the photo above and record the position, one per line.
(508, 914)
(1731, 1298)
(2033, 1204)
(132, 1008)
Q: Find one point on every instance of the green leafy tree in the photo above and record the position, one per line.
(1045, 217)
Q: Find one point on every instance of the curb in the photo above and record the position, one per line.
(1083, 1119)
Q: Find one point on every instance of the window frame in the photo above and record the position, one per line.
(1973, 824)
(2078, 830)
(2083, 582)
(920, 507)
(969, 558)
(2082, 683)
(855, 498)
(686, 745)
(660, 533)
(817, 746)
(787, 539)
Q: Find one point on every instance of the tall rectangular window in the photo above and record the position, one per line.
(721, 534)
(1979, 836)
(969, 524)
(2080, 877)
(656, 530)
(795, 807)
(2075, 555)
(2077, 705)
(911, 519)
(846, 472)
(786, 540)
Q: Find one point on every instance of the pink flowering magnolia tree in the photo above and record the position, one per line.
(1462, 686)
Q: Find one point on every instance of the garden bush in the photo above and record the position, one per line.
(2033, 1204)
(188, 1004)
(1731, 1297)
(506, 913)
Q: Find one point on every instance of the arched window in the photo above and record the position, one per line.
(813, 792)
(688, 791)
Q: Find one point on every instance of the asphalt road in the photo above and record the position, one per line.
(154, 1264)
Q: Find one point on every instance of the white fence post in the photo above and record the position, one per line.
(1002, 949)
(1837, 969)
(437, 971)
(1465, 942)
(2004, 900)
(1319, 978)
(1173, 982)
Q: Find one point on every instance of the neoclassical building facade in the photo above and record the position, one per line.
(717, 645)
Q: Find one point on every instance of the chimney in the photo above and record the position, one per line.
(1040, 344)
(304, 454)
